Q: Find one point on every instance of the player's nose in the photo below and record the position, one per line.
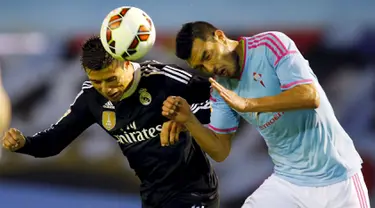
(208, 67)
(106, 90)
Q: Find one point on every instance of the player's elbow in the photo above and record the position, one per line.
(223, 147)
(314, 99)
(310, 96)
(315, 103)
(221, 155)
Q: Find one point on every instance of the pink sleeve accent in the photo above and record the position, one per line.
(222, 130)
(292, 84)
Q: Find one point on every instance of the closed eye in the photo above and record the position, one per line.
(208, 57)
(95, 82)
(111, 79)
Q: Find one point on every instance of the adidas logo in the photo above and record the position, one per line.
(109, 105)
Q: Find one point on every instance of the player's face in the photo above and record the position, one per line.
(215, 57)
(113, 81)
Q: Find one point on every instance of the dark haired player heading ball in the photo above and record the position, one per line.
(125, 99)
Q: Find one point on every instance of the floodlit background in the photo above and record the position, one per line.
(39, 48)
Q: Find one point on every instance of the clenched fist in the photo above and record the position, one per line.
(13, 140)
(177, 109)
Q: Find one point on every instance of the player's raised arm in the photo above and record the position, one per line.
(53, 140)
(197, 93)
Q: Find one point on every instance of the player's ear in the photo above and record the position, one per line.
(126, 64)
(87, 70)
(220, 36)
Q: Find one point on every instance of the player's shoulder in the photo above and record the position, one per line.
(275, 41)
(271, 35)
(270, 46)
(85, 94)
(168, 72)
(87, 88)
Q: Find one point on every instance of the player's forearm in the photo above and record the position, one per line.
(49, 142)
(208, 140)
(5, 110)
(39, 147)
(299, 97)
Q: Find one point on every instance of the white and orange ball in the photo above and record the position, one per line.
(127, 33)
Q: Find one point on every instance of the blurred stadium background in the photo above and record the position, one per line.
(39, 49)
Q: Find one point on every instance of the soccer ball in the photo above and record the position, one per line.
(127, 33)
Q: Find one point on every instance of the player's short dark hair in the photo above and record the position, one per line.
(188, 33)
(94, 56)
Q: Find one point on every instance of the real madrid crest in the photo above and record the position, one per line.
(109, 120)
(144, 97)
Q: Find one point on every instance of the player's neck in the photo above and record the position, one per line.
(129, 85)
(240, 56)
(233, 44)
(132, 86)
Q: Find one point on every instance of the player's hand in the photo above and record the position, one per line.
(13, 140)
(170, 133)
(177, 109)
(231, 98)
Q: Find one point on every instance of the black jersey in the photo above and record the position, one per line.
(135, 123)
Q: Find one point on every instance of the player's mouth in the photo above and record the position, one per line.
(221, 72)
(114, 96)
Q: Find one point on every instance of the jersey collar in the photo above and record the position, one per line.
(136, 79)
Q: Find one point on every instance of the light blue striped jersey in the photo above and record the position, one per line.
(308, 147)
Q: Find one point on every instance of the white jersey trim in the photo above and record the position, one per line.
(168, 71)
